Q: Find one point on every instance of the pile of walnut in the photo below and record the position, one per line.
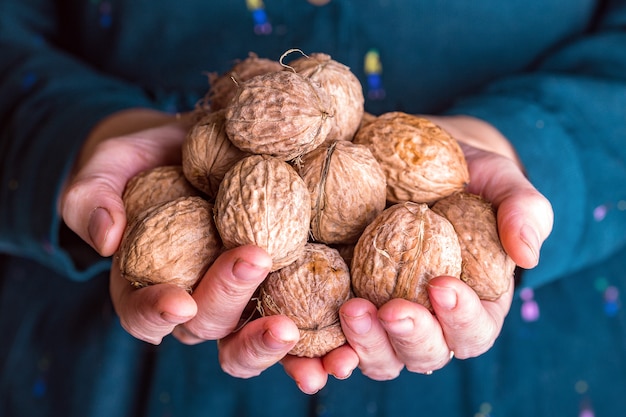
(346, 203)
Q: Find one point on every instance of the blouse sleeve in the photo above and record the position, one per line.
(49, 100)
(567, 120)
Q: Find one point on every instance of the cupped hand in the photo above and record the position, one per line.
(405, 335)
(117, 149)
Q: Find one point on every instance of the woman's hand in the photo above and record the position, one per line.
(91, 205)
(402, 334)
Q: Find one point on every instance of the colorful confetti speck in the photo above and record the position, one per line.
(599, 213)
(262, 25)
(610, 296)
(530, 308)
(373, 70)
(484, 410)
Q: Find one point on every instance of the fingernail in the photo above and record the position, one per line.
(359, 324)
(530, 237)
(274, 342)
(174, 319)
(400, 327)
(311, 391)
(343, 376)
(248, 271)
(443, 297)
(100, 222)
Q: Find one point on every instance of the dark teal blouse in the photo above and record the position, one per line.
(550, 74)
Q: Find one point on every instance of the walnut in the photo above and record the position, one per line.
(347, 189)
(401, 251)
(487, 268)
(174, 242)
(421, 161)
(154, 186)
(281, 114)
(342, 86)
(223, 87)
(208, 153)
(263, 201)
(310, 291)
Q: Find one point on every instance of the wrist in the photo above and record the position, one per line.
(478, 134)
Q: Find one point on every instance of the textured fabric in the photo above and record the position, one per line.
(551, 75)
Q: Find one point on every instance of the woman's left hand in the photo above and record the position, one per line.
(401, 334)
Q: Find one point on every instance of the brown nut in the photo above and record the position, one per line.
(223, 87)
(487, 268)
(174, 242)
(263, 201)
(208, 153)
(422, 163)
(342, 86)
(281, 114)
(310, 292)
(348, 190)
(153, 186)
(401, 251)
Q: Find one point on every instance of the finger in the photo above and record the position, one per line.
(149, 313)
(470, 326)
(415, 335)
(341, 362)
(368, 338)
(257, 346)
(224, 292)
(91, 204)
(308, 373)
(524, 215)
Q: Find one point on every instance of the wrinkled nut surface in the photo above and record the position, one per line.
(422, 162)
(154, 186)
(401, 251)
(208, 153)
(310, 292)
(223, 87)
(281, 114)
(263, 201)
(487, 268)
(348, 190)
(343, 87)
(174, 242)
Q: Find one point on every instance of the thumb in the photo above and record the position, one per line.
(92, 207)
(91, 204)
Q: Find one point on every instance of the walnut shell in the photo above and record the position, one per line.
(401, 251)
(281, 114)
(263, 201)
(347, 189)
(174, 242)
(208, 153)
(223, 87)
(487, 268)
(310, 291)
(154, 186)
(342, 86)
(421, 161)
